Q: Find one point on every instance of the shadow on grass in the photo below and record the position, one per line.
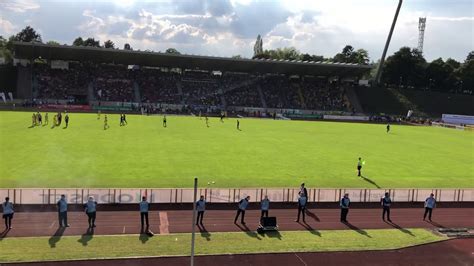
(4, 234)
(272, 234)
(357, 229)
(396, 226)
(366, 179)
(248, 232)
(86, 237)
(54, 239)
(310, 229)
(204, 232)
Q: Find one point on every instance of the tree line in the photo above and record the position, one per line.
(406, 68)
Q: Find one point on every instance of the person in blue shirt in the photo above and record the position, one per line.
(243, 203)
(144, 206)
(386, 202)
(302, 200)
(265, 206)
(200, 208)
(430, 204)
(91, 207)
(8, 211)
(344, 204)
(62, 211)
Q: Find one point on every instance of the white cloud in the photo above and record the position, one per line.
(6, 27)
(452, 18)
(19, 6)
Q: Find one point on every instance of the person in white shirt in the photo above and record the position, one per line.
(91, 208)
(430, 204)
(200, 208)
(144, 207)
(8, 211)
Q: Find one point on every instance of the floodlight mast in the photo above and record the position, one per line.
(387, 43)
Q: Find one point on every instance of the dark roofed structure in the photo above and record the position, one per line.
(156, 59)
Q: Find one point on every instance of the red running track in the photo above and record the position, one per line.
(163, 222)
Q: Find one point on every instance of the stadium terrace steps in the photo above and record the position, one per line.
(409, 105)
(354, 100)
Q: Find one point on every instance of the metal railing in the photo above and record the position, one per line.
(226, 195)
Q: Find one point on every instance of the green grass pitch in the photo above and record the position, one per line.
(265, 153)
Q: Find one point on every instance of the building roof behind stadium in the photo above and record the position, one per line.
(155, 59)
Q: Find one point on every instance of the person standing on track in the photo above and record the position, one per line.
(302, 200)
(200, 208)
(303, 190)
(386, 202)
(344, 204)
(91, 209)
(265, 206)
(144, 207)
(430, 204)
(8, 212)
(243, 203)
(62, 211)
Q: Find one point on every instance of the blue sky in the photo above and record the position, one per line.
(230, 27)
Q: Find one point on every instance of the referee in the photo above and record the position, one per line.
(359, 166)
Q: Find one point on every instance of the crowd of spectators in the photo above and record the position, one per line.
(194, 89)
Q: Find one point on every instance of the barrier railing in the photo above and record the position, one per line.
(226, 195)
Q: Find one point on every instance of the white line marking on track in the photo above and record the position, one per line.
(164, 224)
(52, 224)
(304, 263)
(123, 232)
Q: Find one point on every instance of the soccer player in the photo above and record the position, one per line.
(46, 121)
(222, 116)
(124, 120)
(200, 118)
(121, 119)
(66, 119)
(98, 115)
(164, 121)
(55, 121)
(359, 166)
(33, 120)
(207, 121)
(38, 116)
(238, 124)
(105, 123)
(60, 117)
(388, 128)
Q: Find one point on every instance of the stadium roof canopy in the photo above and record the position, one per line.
(31, 51)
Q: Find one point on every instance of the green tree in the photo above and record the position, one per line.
(28, 34)
(127, 47)
(405, 67)
(470, 56)
(91, 42)
(237, 57)
(109, 44)
(78, 42)
(453, 63)
(439, 75)
(52, 43)
(172, 51)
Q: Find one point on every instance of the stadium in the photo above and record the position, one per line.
(126, 157)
